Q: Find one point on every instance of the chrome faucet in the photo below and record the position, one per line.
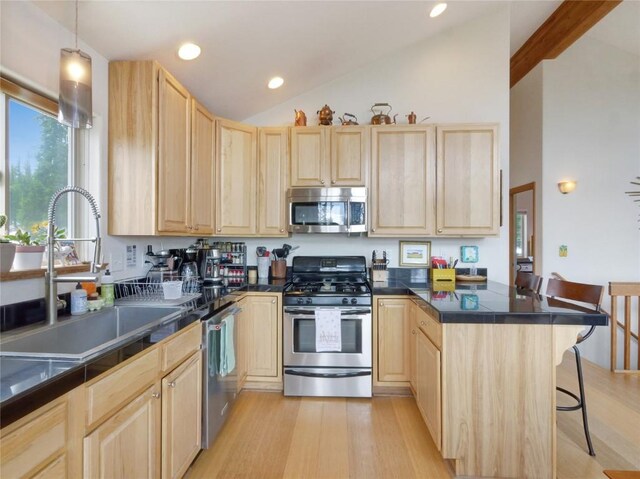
(51, 279)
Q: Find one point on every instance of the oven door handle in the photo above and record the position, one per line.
(312, 311)
(353, 374)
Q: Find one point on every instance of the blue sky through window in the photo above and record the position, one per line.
(24, 135)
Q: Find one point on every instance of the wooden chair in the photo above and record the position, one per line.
(630, 292)
(528, 281)
(591, 295)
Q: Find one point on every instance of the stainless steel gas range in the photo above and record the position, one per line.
(327, 328)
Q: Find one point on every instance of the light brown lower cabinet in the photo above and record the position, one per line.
(428, 385)
(128, 443)
(242, 331)
(393, 333)
(181, 417)
(35, 445)
(264, 338)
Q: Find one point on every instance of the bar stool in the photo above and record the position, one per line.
(591, 295)
(528, 281)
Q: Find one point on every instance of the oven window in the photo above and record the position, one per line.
(319, 213)
(304, 335)
(358, 215)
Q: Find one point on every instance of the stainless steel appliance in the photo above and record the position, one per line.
(220, 379)
(165, 265)
(210, 265)
(327, 210)
(337, 285)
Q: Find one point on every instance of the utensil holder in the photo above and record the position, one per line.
(448, 274)
(263, 267)
(279, 268)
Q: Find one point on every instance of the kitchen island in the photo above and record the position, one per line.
(483, 359)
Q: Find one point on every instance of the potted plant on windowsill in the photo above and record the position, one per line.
(31, 245)
(7, 249)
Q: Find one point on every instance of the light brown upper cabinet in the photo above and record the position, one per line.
(403, 181)
(236, 169)
(160, 139)
(329, 156)
(468, 180)
(273, 161)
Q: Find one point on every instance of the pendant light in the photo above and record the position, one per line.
(74, 103)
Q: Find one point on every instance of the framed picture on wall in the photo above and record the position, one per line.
(415, 254)
(469, 254)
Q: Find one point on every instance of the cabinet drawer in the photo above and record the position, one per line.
(175, 350)
(115, 390)
(34, 443)
(431, 327)
(57, 469)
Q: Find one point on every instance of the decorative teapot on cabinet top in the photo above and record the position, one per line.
(325, 115)
(301, 118)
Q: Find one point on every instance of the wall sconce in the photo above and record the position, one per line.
(74, 102)
(566, 186)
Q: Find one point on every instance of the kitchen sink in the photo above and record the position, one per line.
(89, 334)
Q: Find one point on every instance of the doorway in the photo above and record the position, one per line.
(522, 229)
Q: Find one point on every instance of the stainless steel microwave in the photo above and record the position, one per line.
(327, 210)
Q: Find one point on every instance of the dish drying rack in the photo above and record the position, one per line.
(142, 292)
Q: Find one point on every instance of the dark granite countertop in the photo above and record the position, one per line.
(28, 383)
(489, 302)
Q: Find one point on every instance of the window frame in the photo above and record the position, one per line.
(43, 103)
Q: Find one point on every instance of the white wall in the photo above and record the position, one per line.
(30, 43)
(461, 75)
(526, 146)
(578, 117)
(592, 135)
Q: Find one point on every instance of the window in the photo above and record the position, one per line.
(38, 159)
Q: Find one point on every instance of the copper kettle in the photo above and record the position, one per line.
(380, 117)
(325, 115)
(301, 118)
(348, 119)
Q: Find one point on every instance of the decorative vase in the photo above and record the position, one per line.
(28, 257)
(7, 253)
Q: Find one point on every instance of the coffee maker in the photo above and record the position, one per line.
(165, 266)
(209, 262)
(189, 268)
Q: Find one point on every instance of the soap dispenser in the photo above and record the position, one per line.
(78, 300)
(107, 289)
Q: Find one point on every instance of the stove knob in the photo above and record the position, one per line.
(345, 301)
(308, 300)
(299, 300)
(354, 301)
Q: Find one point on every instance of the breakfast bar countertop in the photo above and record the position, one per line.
(489, 302)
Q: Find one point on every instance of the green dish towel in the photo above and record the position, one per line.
(227, 351)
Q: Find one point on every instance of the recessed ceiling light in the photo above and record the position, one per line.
(189, 51)
(438, 9)
(276, 82)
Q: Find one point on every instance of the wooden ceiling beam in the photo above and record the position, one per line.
(569, 22)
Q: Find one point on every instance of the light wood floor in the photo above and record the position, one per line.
(270, 436)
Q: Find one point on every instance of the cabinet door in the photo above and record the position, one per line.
(181, 417)
(310, 156)
(174, 141)
(403, 181)
(429, 386)
(202, 169)
(393, 340)
(468, 180)
(264, 338)
(242, 328)
(236, 166)
(413, 329)
(273, 161)
(349, 155)
(128, 443)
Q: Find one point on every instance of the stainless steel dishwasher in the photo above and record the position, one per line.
(220, 386)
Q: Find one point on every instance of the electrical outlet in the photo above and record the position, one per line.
(132, 255)
(116, 262)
